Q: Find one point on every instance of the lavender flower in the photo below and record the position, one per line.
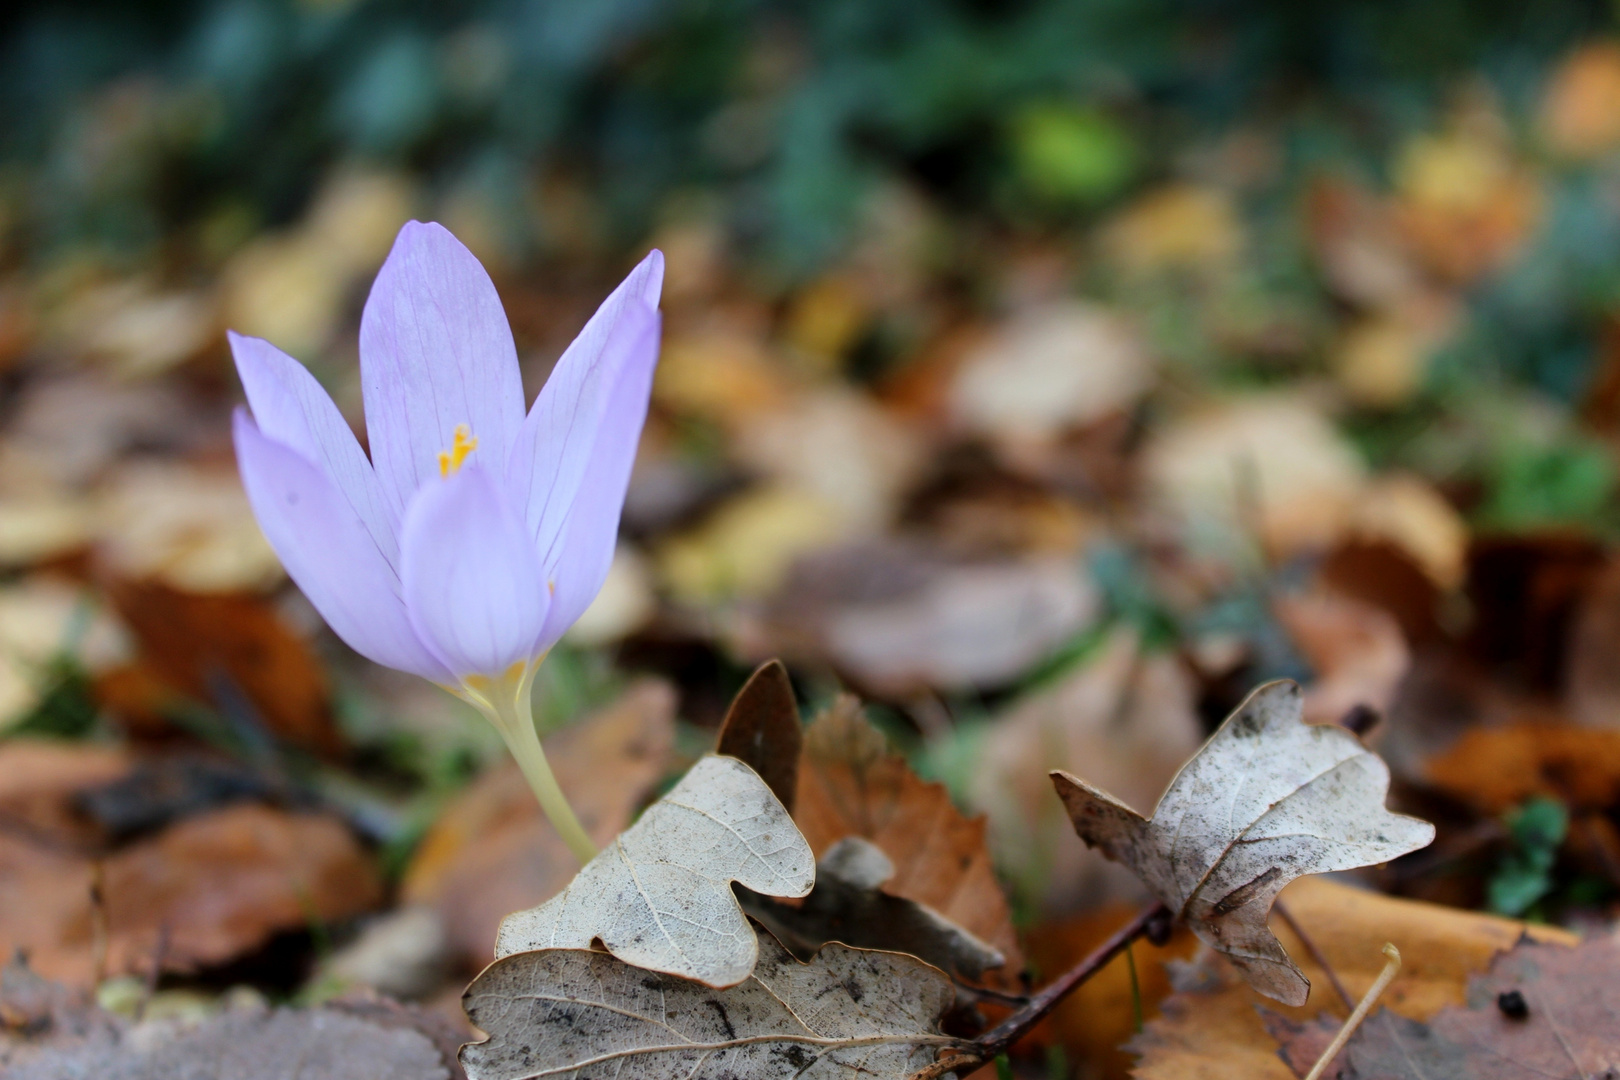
(474, 535)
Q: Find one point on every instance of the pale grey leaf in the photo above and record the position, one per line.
(1267, 799)
(584, 1015)
(659, 896)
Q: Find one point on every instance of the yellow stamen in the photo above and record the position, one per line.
(464, 443)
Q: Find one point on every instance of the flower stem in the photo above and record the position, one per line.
(510, 710)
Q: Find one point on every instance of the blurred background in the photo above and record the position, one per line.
(1048, 373)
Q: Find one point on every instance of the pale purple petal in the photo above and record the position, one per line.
(291, 408)
(435, 352)
(472, 579)
(329, 552)
(584, 551)
(560, 435)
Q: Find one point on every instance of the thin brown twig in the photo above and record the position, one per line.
(1149, 922)
(98, 923)
(1316, 954)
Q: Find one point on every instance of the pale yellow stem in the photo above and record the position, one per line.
(507, 705)
(1385, 977)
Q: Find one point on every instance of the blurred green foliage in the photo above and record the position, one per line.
(129, 123)
(1536, 831)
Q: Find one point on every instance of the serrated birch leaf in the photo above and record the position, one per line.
(659, 896)
(1267, 799)
(583, 1015)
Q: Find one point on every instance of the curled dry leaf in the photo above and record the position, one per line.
(566, 1012)
(659, 896)
(1267, 799)
(849, 905)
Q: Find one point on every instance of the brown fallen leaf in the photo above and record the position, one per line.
(217, 886)
(1541, 1012)
(1271, 463)
(491, 851)
(762, 729)
(1357, 650)
(1210, 1028)
(185, 526)
(901, 617)
(1496, 769)
(1053, 366)
(40, 779)
(189, 643)
(849, 905)
(849, 1013)
(1267, 799)
(659, 896)
(1592, 684)
(850, 784)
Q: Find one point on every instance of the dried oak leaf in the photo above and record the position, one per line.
(1267, 799)
(851, 785)
(1563, 1024)
(566, 1012)
(659, 896)
(849, 905)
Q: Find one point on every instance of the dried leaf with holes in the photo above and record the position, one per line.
(659, 896)
(849, 1013)
(1267, 799)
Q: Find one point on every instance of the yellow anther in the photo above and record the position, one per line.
(463, 444)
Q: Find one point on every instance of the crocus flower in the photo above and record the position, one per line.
(474, 535)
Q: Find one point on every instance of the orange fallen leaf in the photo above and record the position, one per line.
(39, 779)
(1357, 650)
(187, 642)
(1210, 1029)
(1496, 769)
(850, 784)
(217, 886)
(1094, 1022)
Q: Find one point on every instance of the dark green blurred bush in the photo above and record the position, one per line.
(128, 124)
